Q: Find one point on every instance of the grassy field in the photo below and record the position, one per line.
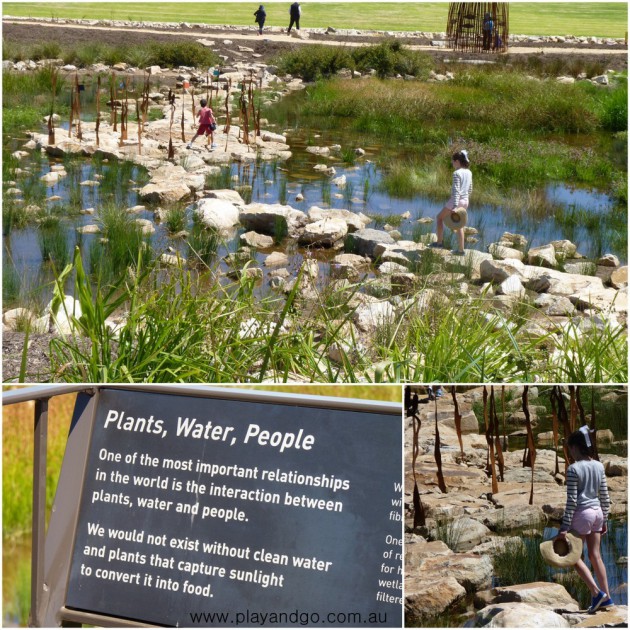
(602, 19)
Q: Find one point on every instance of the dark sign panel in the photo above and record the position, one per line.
(212, 512)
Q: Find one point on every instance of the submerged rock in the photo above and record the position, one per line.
(518, 615)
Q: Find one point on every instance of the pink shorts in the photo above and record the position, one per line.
(450, 204)
(587, 521)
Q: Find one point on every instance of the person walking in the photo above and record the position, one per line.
(586, 513)
(295, 11)
(460, 193)
(207, 124)
(260, 16)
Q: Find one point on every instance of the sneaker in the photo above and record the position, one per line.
(458, 252)
(189, 146)
(213, 145)
(437, 245)
(439, 392)
(596, 602)
(606, 603)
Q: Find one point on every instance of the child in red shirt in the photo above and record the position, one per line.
(207, 124)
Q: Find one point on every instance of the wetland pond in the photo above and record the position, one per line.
(281, 182)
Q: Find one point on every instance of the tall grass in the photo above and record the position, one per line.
(53, 243)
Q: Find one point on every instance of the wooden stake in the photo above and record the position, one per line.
(139, 128)
(51, 126)
(98, 108)
(183, 134)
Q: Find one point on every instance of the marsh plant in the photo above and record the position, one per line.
(176, 219)
(53, 242)
(203, 244)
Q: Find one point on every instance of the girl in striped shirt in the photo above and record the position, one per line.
(586, 512)
(460, 192)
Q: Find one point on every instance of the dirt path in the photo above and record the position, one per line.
(272, 43)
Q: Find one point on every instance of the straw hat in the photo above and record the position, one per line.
(562, 552)
(457, 219)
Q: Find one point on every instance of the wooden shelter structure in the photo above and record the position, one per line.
(478, 26)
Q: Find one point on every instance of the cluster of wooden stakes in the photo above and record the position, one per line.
(119, 91)
(563, 418)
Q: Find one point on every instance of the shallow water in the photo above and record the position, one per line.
(280, 183)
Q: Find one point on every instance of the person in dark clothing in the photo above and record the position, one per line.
(260, 16)
(487, 28)
(295, 11)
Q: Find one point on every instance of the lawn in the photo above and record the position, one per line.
(602, 19)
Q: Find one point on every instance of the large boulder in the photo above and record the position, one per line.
(365, 241)
(500, 270)
(602, 300)
(324, 233)
(544, 256)
(273, 219)
(227, 195)
(62, 317)
(471, 571)
(218, 214)
(370, 316)
(502, 252)
(355, 222)
(168, 185)
(547, 594)
(427, 599)
(619, 277)
(517, 615)
(257, 241)
(513, 517)
(350, 266)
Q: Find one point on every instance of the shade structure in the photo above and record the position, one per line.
(478, 26)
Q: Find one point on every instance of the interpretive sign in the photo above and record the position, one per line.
(221, 512)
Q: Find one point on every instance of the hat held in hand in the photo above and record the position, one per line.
(457, 219)
(562, 552)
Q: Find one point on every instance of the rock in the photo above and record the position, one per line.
(276, 259)
(89, 229)
(544, 256)
(340, 181)
(257, 241)
(469, 422)
(146, 226)
(602, 300)
(365, 241)
(218, 214)
(524, 475)
(500, 270)
(348, 266)
(13, 318)
(227, 195)
(518, 615)
(389, 268)
(619, 277)
(565, 80)
(368, 317)
(267, 136)
(514, 516)
(615, 617)
(51, 178)
(274, 219)
(360, 152)
(496, 545)
(299, 197)
(324, 233)
(154, 70)
(554, 305)
(614, 465)
(425, 600)
(545, 594)
(502, 252)
(66, 311)
(318, 150)
(471, 571)
(467, 533)
(164, 192)
(608, 260)
(564, 248)
(511, 286)
(170, 259)
(355, 222)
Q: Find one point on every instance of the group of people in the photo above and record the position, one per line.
(295, 12)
